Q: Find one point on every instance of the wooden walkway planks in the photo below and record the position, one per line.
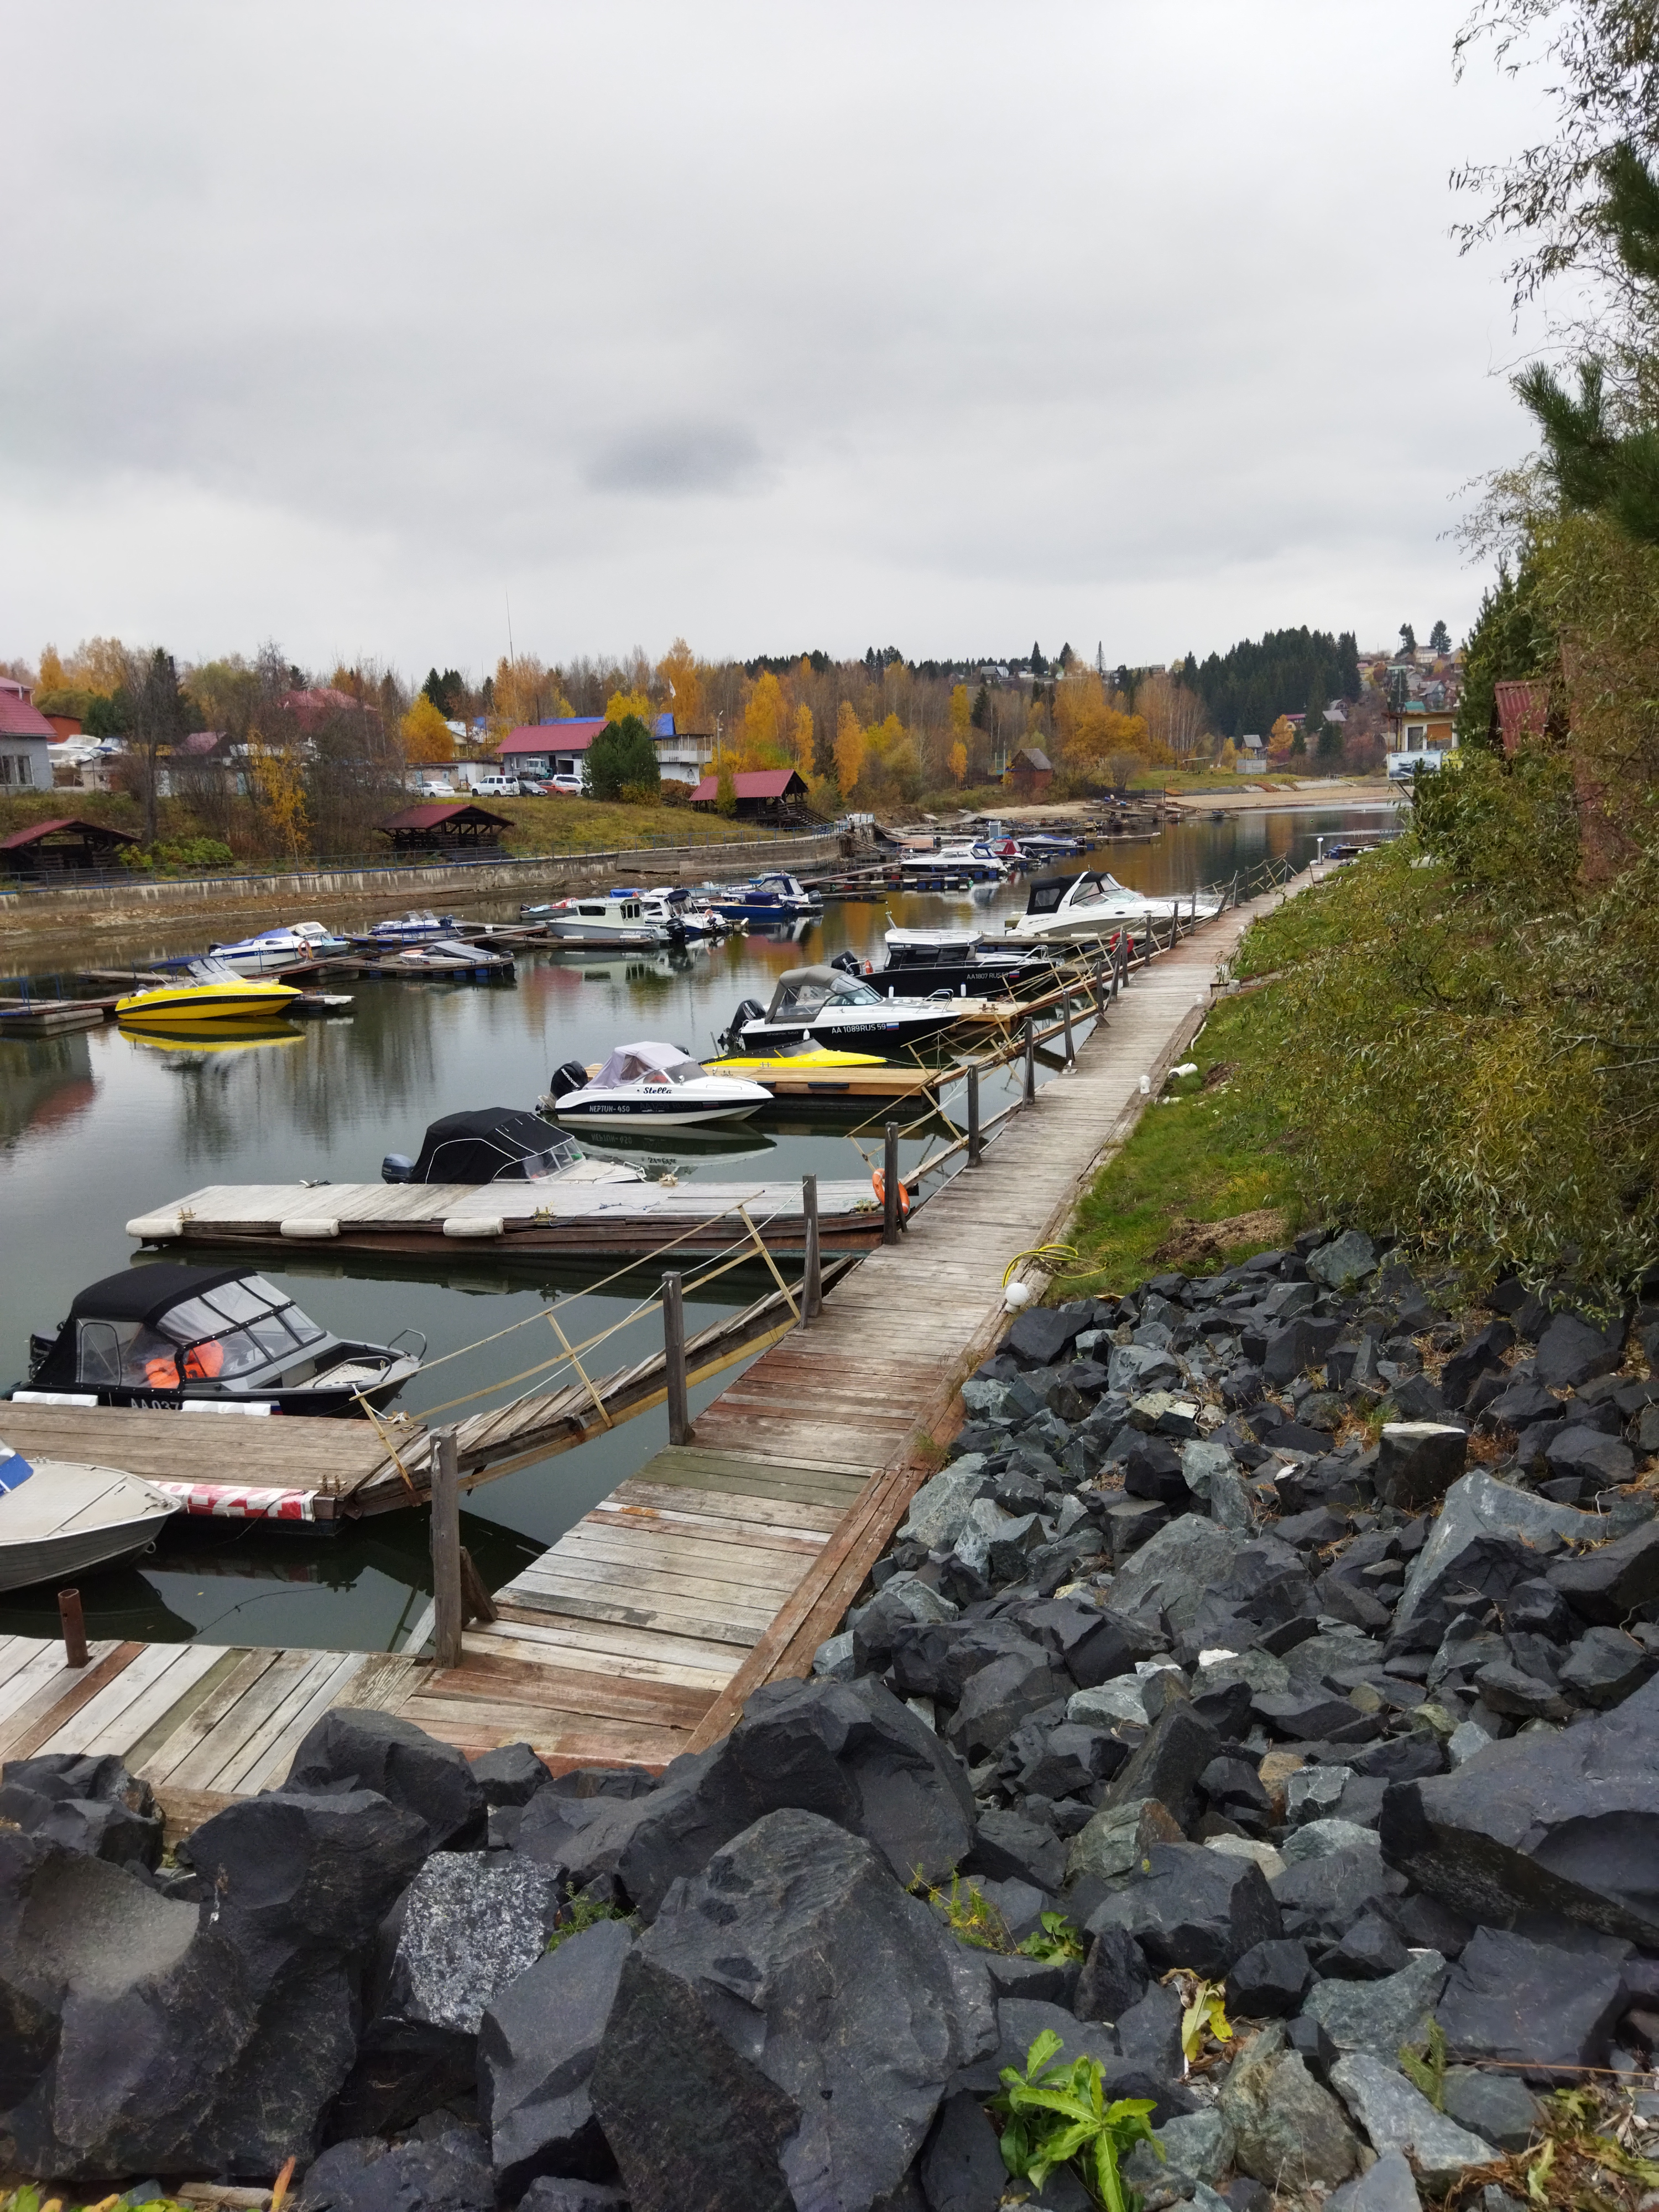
(722, 1565)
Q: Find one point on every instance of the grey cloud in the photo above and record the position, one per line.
(679, 460)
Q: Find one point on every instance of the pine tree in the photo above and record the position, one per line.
(980, 717)
(1440, 639)
(1407, 638)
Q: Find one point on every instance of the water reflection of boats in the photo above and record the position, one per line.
(188, 1046)
(650, 1150)
(47, 1080)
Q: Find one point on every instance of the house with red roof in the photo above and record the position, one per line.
(761, 792)
(25, 734)
(557, 748)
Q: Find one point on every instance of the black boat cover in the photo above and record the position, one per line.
(144, 1295)
(493, 1144)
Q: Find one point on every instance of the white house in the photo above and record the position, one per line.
(26, 737)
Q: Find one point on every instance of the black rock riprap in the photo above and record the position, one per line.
(1362, 1732)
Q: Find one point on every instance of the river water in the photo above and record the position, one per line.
(97, 1126)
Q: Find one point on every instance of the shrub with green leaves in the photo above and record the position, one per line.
(1465, 1033)
(1054, 2115)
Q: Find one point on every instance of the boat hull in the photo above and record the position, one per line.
(205, 1002)
(68, 1519)
(640, 1114)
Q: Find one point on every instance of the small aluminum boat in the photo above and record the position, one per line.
(59, 1518)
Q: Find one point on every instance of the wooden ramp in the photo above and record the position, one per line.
(723, 1564)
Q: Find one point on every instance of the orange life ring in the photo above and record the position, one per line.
(878, 1184)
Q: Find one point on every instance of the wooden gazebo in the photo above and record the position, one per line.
(446, 826)
(45, 848)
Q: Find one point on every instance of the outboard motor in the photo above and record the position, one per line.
(397, 1167)
(750, 1010)
(573, 1076)
(851, 962)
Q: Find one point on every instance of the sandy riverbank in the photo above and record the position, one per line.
(1281, 792)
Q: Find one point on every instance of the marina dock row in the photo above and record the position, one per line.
(726, 1561)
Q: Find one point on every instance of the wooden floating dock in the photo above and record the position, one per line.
(726, 1561)
(327, 1471)
(532, 1219)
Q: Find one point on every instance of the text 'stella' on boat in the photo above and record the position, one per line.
(191, 1339)
(651, 1085)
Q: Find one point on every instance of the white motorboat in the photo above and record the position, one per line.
(411, 928)
(830, 1008)
(450, 956)
(652, 1085)
(613, 918)
(1093, 904)
(682, 914)
(956, 861)
(775, 896)
(59, 1518)
(499, 1144)
(280, 948)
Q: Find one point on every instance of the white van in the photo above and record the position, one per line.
(496, 786)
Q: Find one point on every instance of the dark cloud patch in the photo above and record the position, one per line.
(679, 460)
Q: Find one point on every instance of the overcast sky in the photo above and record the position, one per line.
(926, 323)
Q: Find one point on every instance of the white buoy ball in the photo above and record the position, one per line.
(1016, 1295)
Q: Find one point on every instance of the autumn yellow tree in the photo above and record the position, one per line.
(962, 711)
(849, 747)
(279, 788)
(51, 677)
(426, 735)
(678, 674)
(765, 740)
(958, 763)
(801, 739)
(1091, 733)
(524, 690)
(621, 704)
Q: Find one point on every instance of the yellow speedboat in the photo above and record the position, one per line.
(207, 991)
(810, 1060)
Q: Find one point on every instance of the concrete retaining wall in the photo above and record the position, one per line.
(135, 899)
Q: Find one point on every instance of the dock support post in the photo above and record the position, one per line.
(975, 1147)
(75, 1627)
(890, 1186)
(673, 1345)
(447, 1616)
(1065, 1016)
(1030, 1059)
(811, 1290)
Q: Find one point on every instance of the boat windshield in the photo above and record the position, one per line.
(214, 1336)
(210, 971)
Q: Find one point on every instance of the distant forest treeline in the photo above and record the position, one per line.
(1290, 672)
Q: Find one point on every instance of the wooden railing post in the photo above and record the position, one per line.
(673, 1345)
(1031, 1058)
(975, 1147)
(890, 1189)
(1066, 1017)
(447, 1609)
(811, 1290)
(75, 1627)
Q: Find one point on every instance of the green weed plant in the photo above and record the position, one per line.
(1053, 2115)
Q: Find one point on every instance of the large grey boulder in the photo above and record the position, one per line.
(1380, 2015)
(1570, 1353)
(1530, 2003)
(1418, 1461)
(1398, 2117)
(1566, 1822)
(1288, 2131)
(1346, 1262)
(466, 1927)
(1490, 1536)
(445, 2172)
(87, 1803)
(849, 1751)
(783, 2033)
(1174, 1570)
(144, 2036)
(1606, 1584)
(536, 2054)
(1192, 1907)
(938, 1512)
(1387, 2186)
(353, 1747)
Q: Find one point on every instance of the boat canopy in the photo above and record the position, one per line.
(1050, 893)
(940, 940)
(649, 1062)
(809, 990)
(493, 1144)
(131, 1327)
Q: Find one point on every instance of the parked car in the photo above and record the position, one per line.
(571, 785)
(496, 786)
(438, 791)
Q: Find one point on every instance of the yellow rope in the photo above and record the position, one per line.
(1046, 1256)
